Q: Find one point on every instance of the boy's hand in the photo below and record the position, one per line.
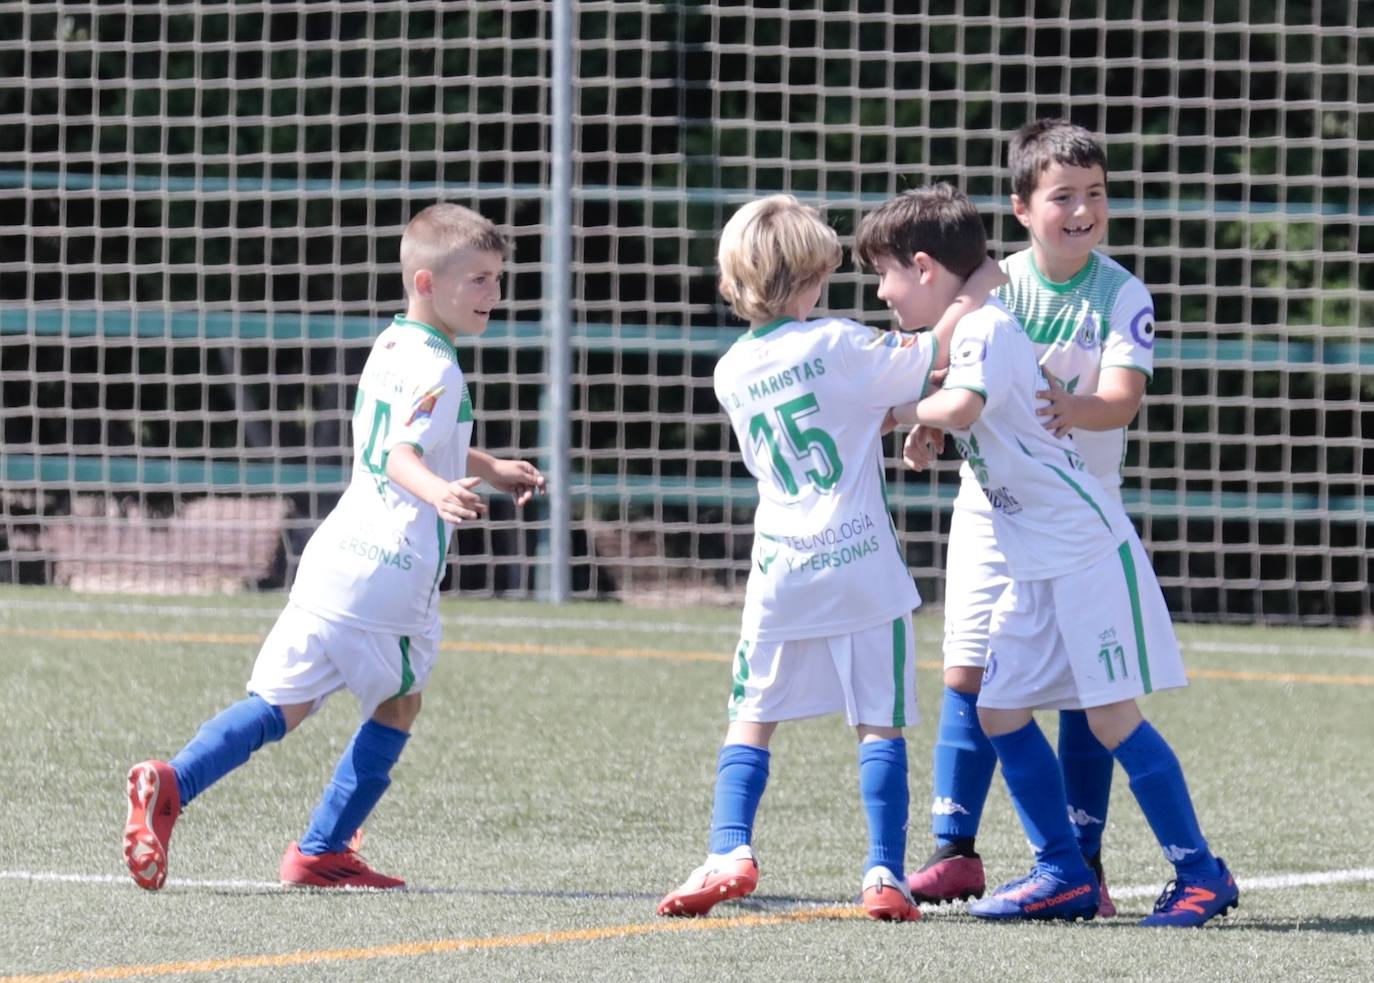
(459, 501)
(986, 278)
(923, 446)
(519, 479)
(1059, 409)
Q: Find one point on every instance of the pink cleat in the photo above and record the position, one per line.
(154, 804)
(344, 869)
(886, 899)
(722, 878)
(946, 878)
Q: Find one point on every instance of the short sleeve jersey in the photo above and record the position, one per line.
(1049, 514)
(806, 400)
(1102, 318)
(376, 560)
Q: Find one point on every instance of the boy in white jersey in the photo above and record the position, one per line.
(1082, 623)
(827, 615)
(1092, 325)
(363, 613)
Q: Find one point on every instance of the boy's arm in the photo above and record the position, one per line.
(983, 281)
(455, 500)
(519, 479)
(1119, 393)
(948, 409)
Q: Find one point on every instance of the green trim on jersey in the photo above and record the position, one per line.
(1081, 493)
(435, 340)
(443, 553)
(899, 672)
(1071, 282)
(420, 451)
(1133, 588)
(934, 355)
(741, 676)
(465, 407)
(407, 673)
(972, 389)
(763, 329)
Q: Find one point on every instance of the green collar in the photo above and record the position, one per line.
(763, 329)
(433, 332)
(1071, 282)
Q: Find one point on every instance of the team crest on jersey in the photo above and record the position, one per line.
(1143, 328)
(1088, 334)
(423, 408)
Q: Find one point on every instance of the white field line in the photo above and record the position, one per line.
(1271, 882)
(653, 628)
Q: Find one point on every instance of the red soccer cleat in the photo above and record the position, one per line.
(945, 878)
(154, 804)
(344, 869)
(887, 899)
(721, 878)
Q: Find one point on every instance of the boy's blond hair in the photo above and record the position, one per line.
(440, 231)
(771, 250)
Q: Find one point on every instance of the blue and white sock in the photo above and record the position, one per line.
(1037, 791)
(741, 776)
(1158, 783)
(361, 776)
(1087, 769)
(963, 767)
(224, 742)
(887, 799)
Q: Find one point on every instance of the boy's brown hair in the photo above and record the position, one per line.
(771, 250)
(1037, 145)
(938, 220)
(436, 233)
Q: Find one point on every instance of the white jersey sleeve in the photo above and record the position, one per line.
(1130, 340)
(887, 368)
(976, 365)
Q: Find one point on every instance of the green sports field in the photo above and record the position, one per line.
(559, 781)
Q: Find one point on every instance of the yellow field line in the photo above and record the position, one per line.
(605, 652)
(403, 950)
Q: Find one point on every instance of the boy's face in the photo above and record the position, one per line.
(906, 290)
(465, 290)
(1067, 213)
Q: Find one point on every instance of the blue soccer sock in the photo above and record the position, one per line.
(964, 763)
(1037, 791)
(224, 742)
(1158, 784)
(362, 775)
(887, 799)
(741, 776)
(1087, 769)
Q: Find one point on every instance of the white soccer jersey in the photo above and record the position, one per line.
(1102, 318)
(376, 560)
(806, 400)
(1049, 514)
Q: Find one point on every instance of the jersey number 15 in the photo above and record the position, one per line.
(803, 445)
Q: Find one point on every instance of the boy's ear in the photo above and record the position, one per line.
(1021, 210)
(423, 282)
(925, 266)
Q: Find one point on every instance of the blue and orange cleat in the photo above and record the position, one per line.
(1190, 902)
(1041, 896)
(887, 899)
(722, 878)
(154, 805)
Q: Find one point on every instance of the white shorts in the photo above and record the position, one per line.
(975, 578)
(1087, 639)
(869, 674)
(305, 658)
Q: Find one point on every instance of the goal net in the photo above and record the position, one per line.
(202, 204)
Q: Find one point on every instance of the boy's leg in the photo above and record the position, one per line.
(361, 777)
(730, 870)
(887, 800)
(1060, 885)
(1203, 887)
(964, 761)
(158, 791)
(1087, 767)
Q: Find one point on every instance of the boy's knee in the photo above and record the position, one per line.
(1113, 723)
(399, 712)
(964, 679)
